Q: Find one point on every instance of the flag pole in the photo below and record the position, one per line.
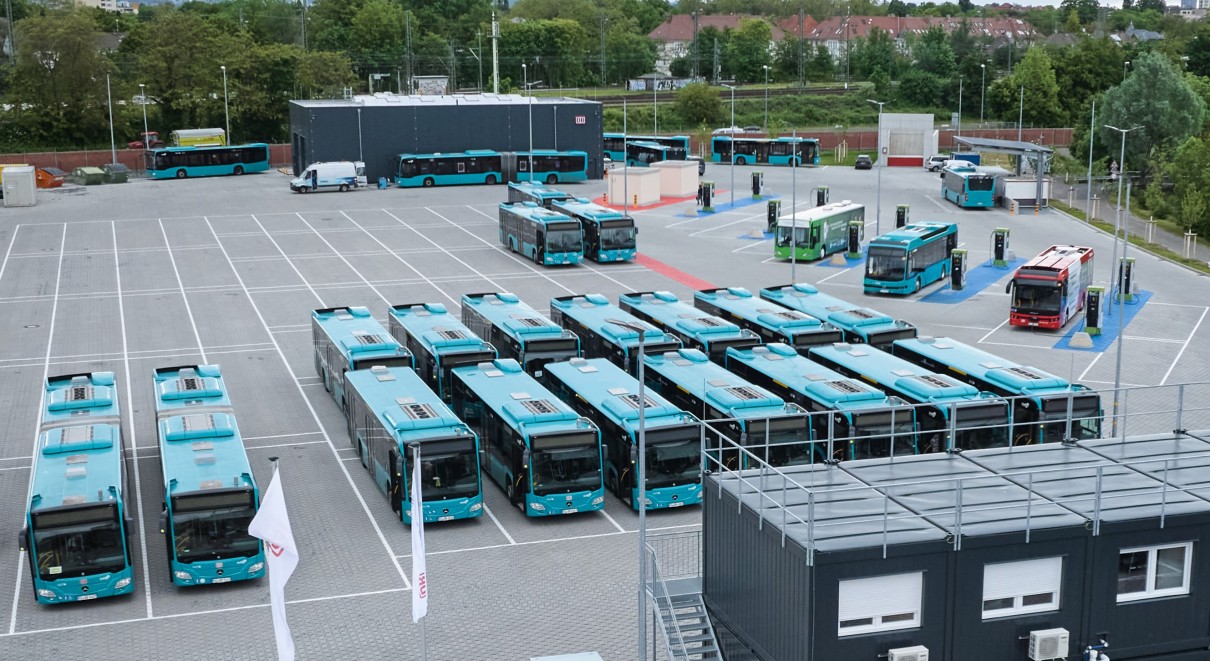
(272, 526)
(419, 578)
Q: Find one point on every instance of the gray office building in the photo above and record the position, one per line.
(376, 129)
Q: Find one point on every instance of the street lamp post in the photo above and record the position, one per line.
(226, 112)
(793, 211)
(641, 477)
(766, 97)
(958, 128)
(113, 146)
(1125, 65)
(530, 96)
(655, 105)
(1114, 263)
(982, 91)
(143, 102)
(732, 142)
(881, 165)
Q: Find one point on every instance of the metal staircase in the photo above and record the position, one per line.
(676, 596)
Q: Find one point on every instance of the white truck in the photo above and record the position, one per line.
(334, 175)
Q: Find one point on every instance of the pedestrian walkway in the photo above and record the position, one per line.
(1104, 208)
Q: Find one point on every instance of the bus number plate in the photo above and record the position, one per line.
(86, 597)
(675, 503)
(571, 511)
(222, 579)
(445, 518)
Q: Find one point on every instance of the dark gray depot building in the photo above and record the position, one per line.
(1034, 552)
(375, 129)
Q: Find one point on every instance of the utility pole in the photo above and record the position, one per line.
(408, 36)
(495, 55)
(603, 49)
(802, 78)
(696, 50)
(718, 70)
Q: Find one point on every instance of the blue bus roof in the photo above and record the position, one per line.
(514, 316)
(916, 382)
(519, 399)
(440, 332)
(403, 403)
(357, 334)
(535, 212)
(537, 190)
(594, 311)
(742, 303)
(200, 444)
(553, 152)
(806, 298)
(837, 392)
(79, 457)
(984, 366)
(448, 154)
(582, 209)
(609, 389)
(692, 371)
(211, 147)
(914, 234)
(673, 313)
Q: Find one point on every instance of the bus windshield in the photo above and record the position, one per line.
(886, 264)
(673, 457)
(980, 183)
(784, 232)
(213, 526)
(563, 463)
(788, 439)
(1047, 298)
(448, 470)
(874, 432)
(617, 237)
(397, 361)
(1085, 417)
(979, 427)
(78, 541)
(563, 237)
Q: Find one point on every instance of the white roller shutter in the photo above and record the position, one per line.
(881, 597)
(1014, 579)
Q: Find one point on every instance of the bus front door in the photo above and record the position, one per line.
(396, 480)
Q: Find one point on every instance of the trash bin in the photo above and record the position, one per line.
(382, 183)
(115, 173)
(88, 176)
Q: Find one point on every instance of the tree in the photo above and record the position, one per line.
(874, 52)
(628, 55)
(552, 49)
(378, 35)
(1157, 99)
(748, 50)
(1085, 9)
(934, 54)
(1189, 172)
(1199, 53)
(698, 103)
(1090, 67)
(324, 74)
(179, 56)
(921, 88)
(1040, 105)
(821, 67)
(881, 81)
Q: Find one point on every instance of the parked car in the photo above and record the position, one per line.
(751, 129)
(728, 130)
(863, 162)
(935, 162)
(701, 164)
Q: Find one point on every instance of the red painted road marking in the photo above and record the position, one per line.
(672, 272)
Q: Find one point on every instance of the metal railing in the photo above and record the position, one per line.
(663, 611)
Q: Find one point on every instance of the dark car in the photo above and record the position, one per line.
(863, 162)
(701, 164)
(751, 129)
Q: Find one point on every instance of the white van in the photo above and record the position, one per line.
(337, 175)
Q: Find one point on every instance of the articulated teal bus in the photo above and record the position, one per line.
(593, 319)
(185, 162)
(438, 342)
(695, 328)
(600, 391)
(77, 527)
(773, 323)
(950, 414)
(545, 456)
(904, 260)
(210, 495)
(487, 166)
(542, 235)
(390, 409)
(614, 144)
(609, 235)
(349, 339)
(859, 325)
(518, 331)
(855, 420)
(790, 151)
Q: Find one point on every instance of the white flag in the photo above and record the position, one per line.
(420, 587)
(272, 525)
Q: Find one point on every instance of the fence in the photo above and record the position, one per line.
(279, 155)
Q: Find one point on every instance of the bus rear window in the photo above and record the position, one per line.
(982, 183)
(212, 501)
(558, 441)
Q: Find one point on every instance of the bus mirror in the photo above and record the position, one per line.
(23, 539)
(605, 449)
(525, 458)
(163, 522)
(634, 455)
(1008, 289)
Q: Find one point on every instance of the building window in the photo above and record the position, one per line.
(1156, 571)
(882, 603)
(1019, 588)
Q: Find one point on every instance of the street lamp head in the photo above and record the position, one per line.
(223, 67)
(982, 66)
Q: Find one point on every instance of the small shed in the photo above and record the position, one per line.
(20, 184)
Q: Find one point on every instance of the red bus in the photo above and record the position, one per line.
(1049, 289)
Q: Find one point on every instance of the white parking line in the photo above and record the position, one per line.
(284, 445)
(554, 540)
(300, 433)
(989, 333)
(1185, 346)
(180, 284)
(834, 275)
(517, 258)
(750, 245)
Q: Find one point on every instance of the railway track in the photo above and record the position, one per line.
(616, 100)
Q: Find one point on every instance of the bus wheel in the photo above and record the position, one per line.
(551, 179)
(344, 188)
(739, 160)
(428, 182)
(181, 174)
(508, 490)
(491, 180)
(917, 284)
(239, 169)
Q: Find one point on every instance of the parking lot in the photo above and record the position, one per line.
(148, 274)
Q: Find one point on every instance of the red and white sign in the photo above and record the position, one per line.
(581, 119)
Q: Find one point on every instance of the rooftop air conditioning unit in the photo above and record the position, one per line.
(917, 653)
(1047, 644)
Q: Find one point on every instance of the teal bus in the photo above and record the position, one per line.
(391, 408)
(545, 456)
(487, 166)
(855, 420)
(539, 194)
(967, 187)
(77, 527)
(600, 391)
(593, 319)
(791, 151)
(950, 414)
(349, 339)
(746, 415)
(858, 325)
(694, 328)
(547, 237)
(518, 331)
(614, 144)
(641, 153)
(909, 258)
(210, 495)
(817, 232)
(773, 323)
(438, 342)
(1046, 408)
(609, 235)
(185, 162)
(550, 166)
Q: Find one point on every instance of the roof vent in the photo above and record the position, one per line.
(935, 381)
(366, 338)
(633, 401)
(533, 322)
(745, 393)
(450, 333)
(540, 406)
(418, 411)
(847, 387)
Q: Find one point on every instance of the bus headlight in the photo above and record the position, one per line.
(476, 507)
(256, 567)
(598, 500)
(122, 582)
(46, 594)
(537, 507)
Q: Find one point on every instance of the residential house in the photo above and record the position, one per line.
(674, 37)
